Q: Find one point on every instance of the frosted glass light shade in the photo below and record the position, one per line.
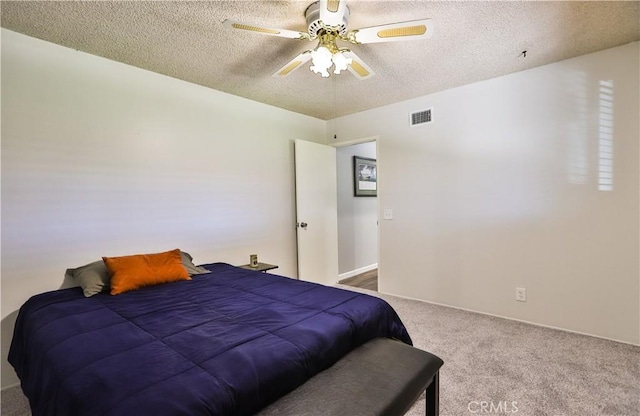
(321, 59)
(341, 63)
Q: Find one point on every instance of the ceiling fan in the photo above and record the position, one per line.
(327, 22)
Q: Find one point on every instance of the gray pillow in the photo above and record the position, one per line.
(93, 278)
(187, 262)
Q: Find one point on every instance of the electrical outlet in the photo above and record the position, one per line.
(521, 294)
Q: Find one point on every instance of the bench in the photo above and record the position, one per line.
(382, 377)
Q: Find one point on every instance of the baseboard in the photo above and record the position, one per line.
(10, 386)
(357, 271)
(513, 319)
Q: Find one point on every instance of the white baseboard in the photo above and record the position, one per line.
(513, 319)
(357, 271)
(10, 386)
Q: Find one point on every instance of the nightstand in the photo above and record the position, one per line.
(261, 267)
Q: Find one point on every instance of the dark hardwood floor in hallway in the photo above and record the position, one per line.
(366, 280)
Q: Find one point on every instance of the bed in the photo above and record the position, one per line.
(227, 342)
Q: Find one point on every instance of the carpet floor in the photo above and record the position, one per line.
(497, 366)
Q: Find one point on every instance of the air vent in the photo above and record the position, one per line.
(420, 117)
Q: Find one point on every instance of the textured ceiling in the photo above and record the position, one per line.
(472, 41)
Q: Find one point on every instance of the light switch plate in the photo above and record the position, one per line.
(387, 214)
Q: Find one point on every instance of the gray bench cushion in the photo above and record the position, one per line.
(382, 377)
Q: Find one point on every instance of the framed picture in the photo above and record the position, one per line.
(365, 177)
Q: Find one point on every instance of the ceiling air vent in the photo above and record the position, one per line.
(420, 117)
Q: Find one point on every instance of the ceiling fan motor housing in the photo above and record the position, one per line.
(315, 25)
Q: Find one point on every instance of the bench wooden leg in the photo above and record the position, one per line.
(432, 399)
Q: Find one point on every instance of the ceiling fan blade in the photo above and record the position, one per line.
(413, 30)
(358, 68)
(293, 64)
(263, 30)
(332, 12)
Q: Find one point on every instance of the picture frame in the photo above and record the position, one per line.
(365, 176)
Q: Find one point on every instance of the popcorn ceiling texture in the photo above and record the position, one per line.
(472, 41)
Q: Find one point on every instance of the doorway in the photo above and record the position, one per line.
(357, 221)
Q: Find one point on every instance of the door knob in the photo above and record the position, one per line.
(303, 225)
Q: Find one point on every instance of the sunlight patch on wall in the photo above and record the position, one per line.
(605, 137)
(578, 146)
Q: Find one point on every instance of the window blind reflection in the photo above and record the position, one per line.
(605, 137)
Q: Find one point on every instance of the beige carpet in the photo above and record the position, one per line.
(521, 369)
(496, 366)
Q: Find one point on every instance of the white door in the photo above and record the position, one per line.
(317, 212)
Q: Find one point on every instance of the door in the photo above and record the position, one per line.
(316, 212)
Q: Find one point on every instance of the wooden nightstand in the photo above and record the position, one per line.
(261, 267)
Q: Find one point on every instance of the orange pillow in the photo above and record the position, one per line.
(133, 272)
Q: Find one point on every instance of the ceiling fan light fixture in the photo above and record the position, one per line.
(327, 54)
(321, 59)
(340, 62)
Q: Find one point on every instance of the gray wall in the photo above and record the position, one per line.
(508, 188)
(357, 216)
(103, 159)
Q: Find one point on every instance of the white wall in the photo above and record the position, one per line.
(357, 217)
(501, 191)
(100, 158)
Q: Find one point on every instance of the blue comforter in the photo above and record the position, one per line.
(225, 343)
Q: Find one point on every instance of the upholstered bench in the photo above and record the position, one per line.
(382, 377)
